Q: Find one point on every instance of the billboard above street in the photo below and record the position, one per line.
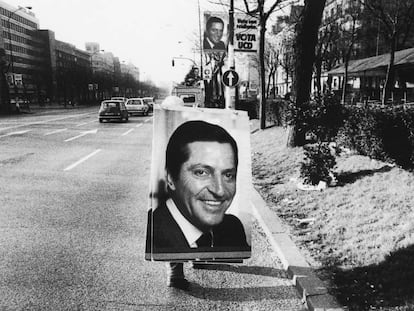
(215, 31)
(246, 38)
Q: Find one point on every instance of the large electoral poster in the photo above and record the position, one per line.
(199, 186)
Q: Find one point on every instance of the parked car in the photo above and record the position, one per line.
(137, 106)
(124, 99)
(150, 102)
(113, 110)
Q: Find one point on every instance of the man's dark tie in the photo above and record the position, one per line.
(206, 240)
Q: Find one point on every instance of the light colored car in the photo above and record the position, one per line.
(113, 110)
(124, 99)
(137, 106)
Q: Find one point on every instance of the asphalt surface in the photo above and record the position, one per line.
(73, 221)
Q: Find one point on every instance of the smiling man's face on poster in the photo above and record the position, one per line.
(196, 211)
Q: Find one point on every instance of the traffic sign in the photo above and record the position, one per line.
(207, 74)
(230, 78)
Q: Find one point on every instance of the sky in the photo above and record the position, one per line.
(147, 33)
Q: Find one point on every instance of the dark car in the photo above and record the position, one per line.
(113, 110)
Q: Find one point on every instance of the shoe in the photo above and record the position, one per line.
(179, 283)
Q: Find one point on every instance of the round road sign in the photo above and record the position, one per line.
(230, 78)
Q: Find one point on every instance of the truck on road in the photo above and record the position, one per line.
(192, 96)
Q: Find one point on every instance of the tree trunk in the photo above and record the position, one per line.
(318, 77)
(345, 80)
(389, 80)
(269, 77)
(305, 42)
(262, 107)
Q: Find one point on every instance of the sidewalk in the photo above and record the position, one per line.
(35, 108)
(310, 287)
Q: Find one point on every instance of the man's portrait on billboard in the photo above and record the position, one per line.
(214, 33)
(191, 219)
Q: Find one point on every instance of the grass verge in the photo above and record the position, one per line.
(359, 234)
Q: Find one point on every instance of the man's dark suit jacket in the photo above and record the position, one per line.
(218, 46)
(165, 236)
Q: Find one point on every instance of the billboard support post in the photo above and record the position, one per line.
(230, 94)
(201, 42)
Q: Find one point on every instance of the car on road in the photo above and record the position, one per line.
(150, 102)
(113, 109)
(124, 99)
(137, 106)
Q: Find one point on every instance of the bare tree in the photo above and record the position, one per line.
(305, 42)
(258, 8)
(349, 34)
(261, 9)
(286, 58)
(327, 54)
(396, 19)
(271, 61)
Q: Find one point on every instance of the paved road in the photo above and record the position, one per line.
(73, 218)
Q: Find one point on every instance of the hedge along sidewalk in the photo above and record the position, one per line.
(314, 293)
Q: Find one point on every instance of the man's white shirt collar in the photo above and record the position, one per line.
(190, 232)
(210, 43)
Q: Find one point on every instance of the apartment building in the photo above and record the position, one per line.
(23, 47)
(40, 68)
(71, 71)
(371, 40)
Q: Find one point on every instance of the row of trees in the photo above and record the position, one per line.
(74, 85)
(314, 47)
(306, 38)
(79, 85)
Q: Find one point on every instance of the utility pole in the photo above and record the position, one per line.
(230, 92)
(200, 41)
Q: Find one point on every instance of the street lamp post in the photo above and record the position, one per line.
(195, 64)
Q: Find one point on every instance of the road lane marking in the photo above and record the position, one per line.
(127, 132)
(15, 133)
(56, 131)
(49, 120)
(147, 120)
(85, 123)
(139, 125)
(6, 128)
(82, 160)
(82, 134)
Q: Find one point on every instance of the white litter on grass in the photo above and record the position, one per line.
(319, 187)
(288, 201)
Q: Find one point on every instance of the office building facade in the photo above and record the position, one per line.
(23, 48)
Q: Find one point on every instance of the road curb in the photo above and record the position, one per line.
(312, 290)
